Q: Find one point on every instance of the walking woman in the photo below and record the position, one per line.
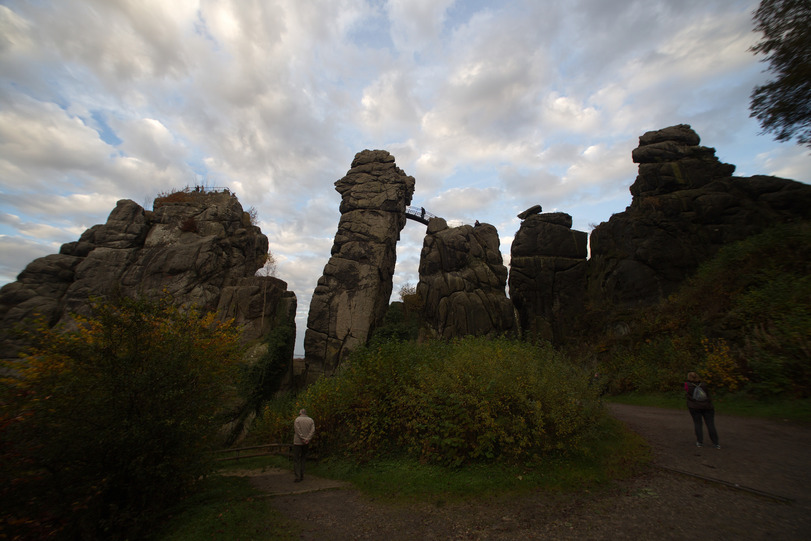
(699, 402)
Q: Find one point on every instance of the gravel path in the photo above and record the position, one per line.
(758, 486)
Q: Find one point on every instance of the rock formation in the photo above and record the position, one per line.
(200, 247)
(463, 281)
(548, 274)
(686, 205)
(352, 295)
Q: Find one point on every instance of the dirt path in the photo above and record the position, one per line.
(758, 486)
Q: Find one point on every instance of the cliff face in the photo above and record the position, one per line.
(352, 295)
(462, 281)
(686, 205)
(199, 247)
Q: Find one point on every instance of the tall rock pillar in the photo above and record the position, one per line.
(548, 273)
(352, 295)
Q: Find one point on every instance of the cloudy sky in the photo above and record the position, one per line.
(493, 106)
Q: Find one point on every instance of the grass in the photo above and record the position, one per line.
(227, 508)
(784, 409)
(614, 452)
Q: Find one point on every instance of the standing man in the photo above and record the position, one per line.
(303, 431)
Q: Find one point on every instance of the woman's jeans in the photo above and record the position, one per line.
(709, 420)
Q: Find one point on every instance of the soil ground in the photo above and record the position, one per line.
(757, 486)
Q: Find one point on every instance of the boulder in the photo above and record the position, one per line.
(462, 282)
(685, 207)
(198, 246)
(548, 272)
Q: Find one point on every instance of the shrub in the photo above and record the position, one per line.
(452, 403)
(743, 321)
(260, 381)
(105, 425)
(721, 370)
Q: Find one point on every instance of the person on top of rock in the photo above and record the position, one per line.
(699, 403)
(303, 432)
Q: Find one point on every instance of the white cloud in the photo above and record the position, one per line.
(37, 137)
(463, 203)
(18, 252)
(416, 24)
(491, 106)
(786, 162)
(388, 105)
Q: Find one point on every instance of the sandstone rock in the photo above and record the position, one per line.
(352, 295)
(671, 160)
(686, 206)
(462, 282)
(199, 247)
(535, 209)
(548, 275)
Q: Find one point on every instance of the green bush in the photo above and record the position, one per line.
(104, 426)
(450, 403)
(743, 322)
(260, 381)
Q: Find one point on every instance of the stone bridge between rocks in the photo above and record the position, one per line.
(635, 259)
(462, 276)
(419, 214)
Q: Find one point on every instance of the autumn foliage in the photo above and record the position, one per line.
(449, 403)
(103, 426)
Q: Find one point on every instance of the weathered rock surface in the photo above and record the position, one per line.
(352, 295)
(463, 281)
(685, 207)
(548, 272)
(199, 247)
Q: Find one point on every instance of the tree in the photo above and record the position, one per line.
(268, 268)
(105, 426)
(783, 106)
(406, 290)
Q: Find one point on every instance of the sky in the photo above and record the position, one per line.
(492, 106)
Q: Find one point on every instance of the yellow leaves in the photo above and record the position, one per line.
(721, 369)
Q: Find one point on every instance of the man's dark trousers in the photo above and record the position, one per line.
(299, 458)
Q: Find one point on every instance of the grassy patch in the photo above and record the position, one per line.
(798, 410)
(228, 508)
(613, 453)
(257, 463)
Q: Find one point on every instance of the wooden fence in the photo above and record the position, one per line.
(284, 449)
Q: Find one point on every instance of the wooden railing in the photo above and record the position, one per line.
(268, 449)
(250, 452)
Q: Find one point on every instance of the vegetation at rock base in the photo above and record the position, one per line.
(743, 322)
(104, 426)
(260, 381)
(451, 403)
(403, 319)
(107, 426)
(225, 508)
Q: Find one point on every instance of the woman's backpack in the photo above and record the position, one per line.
(699, 394)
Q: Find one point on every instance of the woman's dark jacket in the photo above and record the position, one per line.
(689, 387)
